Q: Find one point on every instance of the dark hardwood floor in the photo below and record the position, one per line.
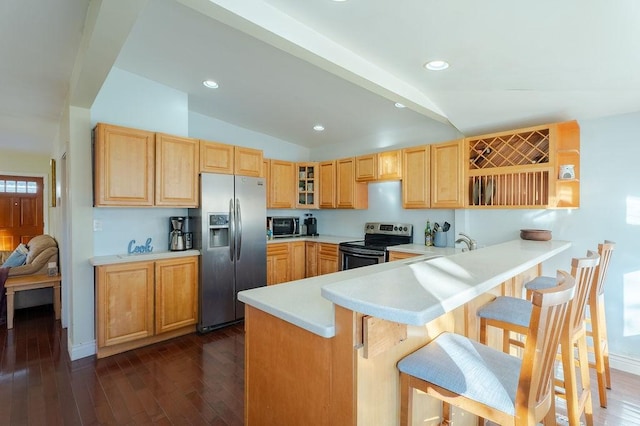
(191, 380)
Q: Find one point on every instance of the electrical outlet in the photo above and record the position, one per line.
(97, 225)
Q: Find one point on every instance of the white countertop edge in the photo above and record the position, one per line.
(334, 294)
(323, 327)
(126, 258)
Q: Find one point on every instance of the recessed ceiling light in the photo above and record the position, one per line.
(318, 127)
(210, 84)
(399, 105)
(437, 65)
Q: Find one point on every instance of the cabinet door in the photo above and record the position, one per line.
(124, 302)
(327, 258)
(216, 157)
(282, 184)
(307, 187)
(367, 168)
(416, 190)
(278, 267)
(124, 166)
(327, 195)
(177, 160)
(447, 175)
(311, 255)
(248, 161)
(349, 193)
(390, 165)
(297, 252)
(176, 302)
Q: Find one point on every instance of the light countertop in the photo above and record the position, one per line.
(125, 258)
(411, 291)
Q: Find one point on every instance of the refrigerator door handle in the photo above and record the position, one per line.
(232, 229)
(238, 229)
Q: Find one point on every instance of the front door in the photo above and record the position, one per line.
(21, 216)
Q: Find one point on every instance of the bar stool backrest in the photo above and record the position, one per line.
(583, 270)
(535, 386)
(605, 250)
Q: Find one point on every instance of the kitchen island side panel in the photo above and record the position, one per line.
(287, 373)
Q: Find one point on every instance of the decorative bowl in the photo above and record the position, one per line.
(535, 234)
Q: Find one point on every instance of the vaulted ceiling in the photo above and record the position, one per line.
(285, 65)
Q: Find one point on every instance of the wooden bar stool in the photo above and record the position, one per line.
(596, 321)
(509, 314)
(489, 383)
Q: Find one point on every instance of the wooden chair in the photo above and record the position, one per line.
(596, 321)
(489, 383)
(509, 314)
(598, 324)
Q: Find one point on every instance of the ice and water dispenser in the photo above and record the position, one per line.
(218, 230)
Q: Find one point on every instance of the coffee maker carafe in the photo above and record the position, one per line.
(311, 224)
(176, 236)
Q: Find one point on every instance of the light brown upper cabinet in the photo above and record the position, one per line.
(218, 157)
(367, 168)
(282, 180)
(433, 176)
(447, 173)
(416, 184)
(248, 161)
(521, 168)
(139, 168)
(380, 166)
(327, 195)
(349, 193)
(176, 171)
(124, 166)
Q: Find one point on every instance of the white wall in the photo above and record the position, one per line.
(211, 129)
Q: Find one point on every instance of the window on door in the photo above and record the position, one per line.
(21, 210)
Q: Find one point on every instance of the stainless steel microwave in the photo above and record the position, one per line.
(284, 226)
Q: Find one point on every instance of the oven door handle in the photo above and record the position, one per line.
(362, 256)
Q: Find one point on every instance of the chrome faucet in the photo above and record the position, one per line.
(470, 242)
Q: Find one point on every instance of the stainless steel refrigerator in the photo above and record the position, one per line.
(229, 229)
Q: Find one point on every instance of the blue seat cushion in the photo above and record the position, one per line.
(468, 368)
(541, 283)
(508, 309)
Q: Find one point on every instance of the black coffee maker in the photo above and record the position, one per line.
(311, 224)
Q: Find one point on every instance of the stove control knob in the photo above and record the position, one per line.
(395, 228)
(404, 229)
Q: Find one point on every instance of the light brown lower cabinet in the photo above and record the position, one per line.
(299, 259)
(327, 258)
(140, 303)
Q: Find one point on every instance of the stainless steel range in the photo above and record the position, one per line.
(373, 249)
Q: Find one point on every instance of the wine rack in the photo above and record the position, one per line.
(519, 169)
(516, 149)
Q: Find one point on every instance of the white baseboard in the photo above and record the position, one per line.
(625, 363)
(82, 350)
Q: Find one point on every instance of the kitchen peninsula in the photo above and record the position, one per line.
(323, 350)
